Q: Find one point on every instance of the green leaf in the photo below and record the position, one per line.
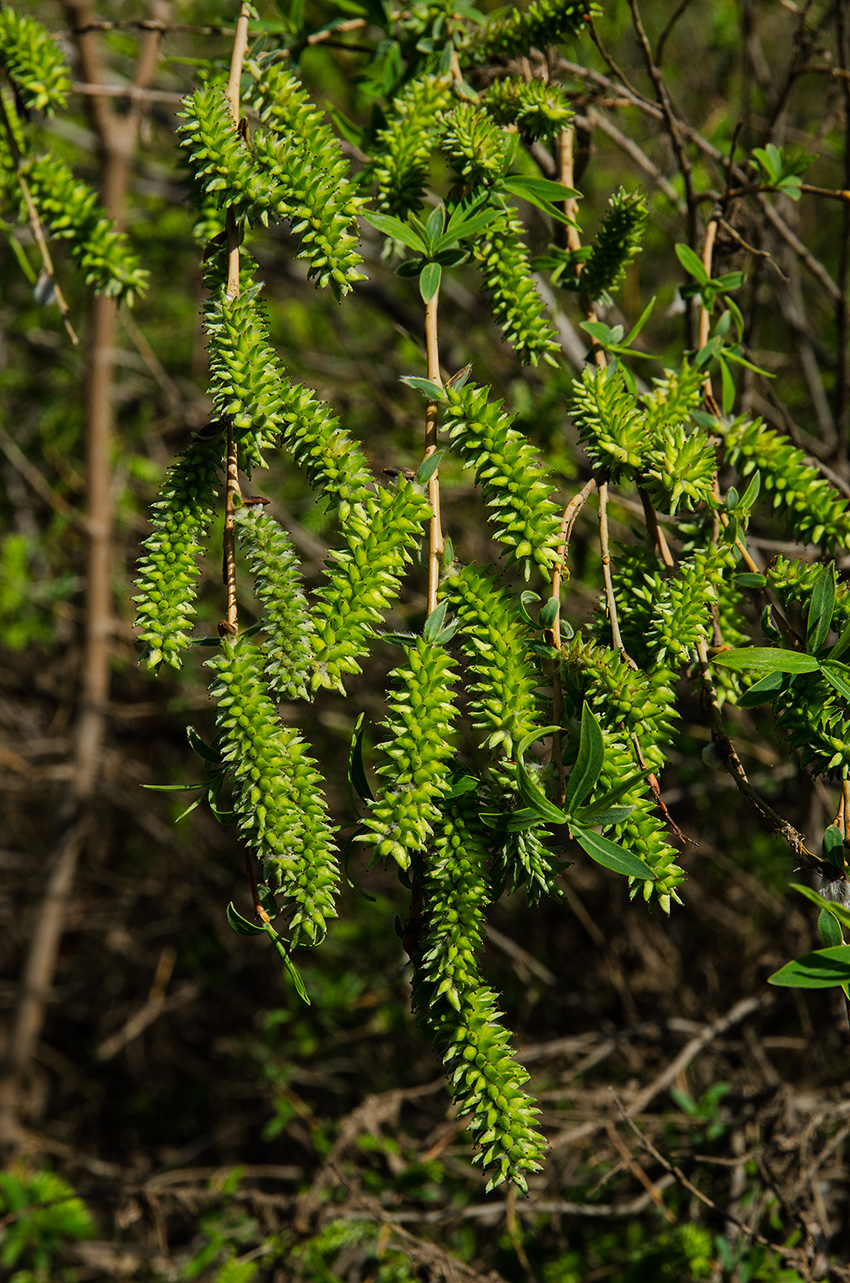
(843, 642)
(201, 747)
(591, 752)
(750, 579)
(294, 973)
(835, 675)
(241, 925)
(428, 467)
(358, 784)
(395, 228)
(752, 491)
(175, 788)
(639, 324)
(819, 970)
(692, 263)
(549, 612)
(838, 911)
(762, 692)
(544, 188)
(531, 793)
(829, 930)
(767, 659)
(821, 608)
(434, 622)
(612, 856)
(533, 189)
(429, 281)
(432, 390)
(832, 846)
(590, 814)
(727, 385)
(435, 224)
(600, 332)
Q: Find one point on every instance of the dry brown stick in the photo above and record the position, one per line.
(117, 136)
(728, 756)
(790, 1254)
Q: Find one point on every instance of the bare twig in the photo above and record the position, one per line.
(435, 530)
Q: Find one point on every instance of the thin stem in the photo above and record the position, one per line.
(568, 520)
(232, 494)
(36, 226)
(435, 530)
(729, 758)
(606, 569)
(654, 527)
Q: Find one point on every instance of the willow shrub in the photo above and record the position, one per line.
(465, 815)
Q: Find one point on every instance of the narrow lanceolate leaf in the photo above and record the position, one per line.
(819, 970)
(588, 764)
(286, 617)
(612, 856)
(460, 1011)
(767, 659)
(168, 571)
(278, 794)
(821, 608)
(420, 745)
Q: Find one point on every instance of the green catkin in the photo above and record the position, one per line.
(285, 614)
(503, 703)
(478, 150)
(679, 468)
(246, 380)
(274, 178)
(419, 742)
(277, 794)
(612, 427)
(673, 396)
(70, 210)
(404, 146)
(813, 512)
(515, 485)
(34, 62)
(249, 382)
(517, 307)
(536, 108)
(460, 1012)
(168, 572)
(617, 242)
(544, 22)
(380, 532)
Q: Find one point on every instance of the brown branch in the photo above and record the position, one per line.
(435, 530)
(36, 226)
(117, 137)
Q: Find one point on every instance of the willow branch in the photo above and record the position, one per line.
(240, 46)
(435, 530)
(36, 226)
(729, 759)
(606, 569)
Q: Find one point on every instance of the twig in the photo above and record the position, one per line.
(435, 531)
(789, 1254)
(36, 226)
(237, 57)
(616, 638)
(728, 756)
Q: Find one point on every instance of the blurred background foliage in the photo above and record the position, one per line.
(215, 1128)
